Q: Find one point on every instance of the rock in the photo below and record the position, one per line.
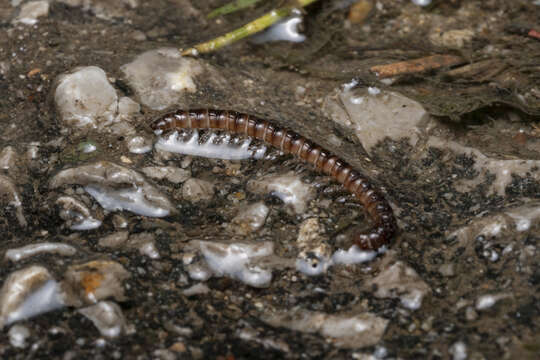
(160, 77)
(8, 158)
(452, 39)
(195, 190)
(107, 316)
(24, 252)
(8, 191)
(85, 98)
(400, 280)
(31, 11)
(139, 144)
(18, 334)
(76, 214)
(250, 218)
(173, 174)
(28, 292)
(114, 240)
(116, 188)
(373, 115)
(344, 330)
(315, 254)
(105, 9)
(289, 188)
(93, 281)
(235, 260)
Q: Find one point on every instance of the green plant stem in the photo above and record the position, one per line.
(248, 29)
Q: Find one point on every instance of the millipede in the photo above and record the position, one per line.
(290, 142)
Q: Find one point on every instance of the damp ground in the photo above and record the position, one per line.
(455, 150)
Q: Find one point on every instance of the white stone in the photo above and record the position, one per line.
(31, 11)
(160, 77)
(85, 98)
(458, 351)
(237, 260)
(173, 174)
(76, 214)
(485, 302)
(374, 115)
(18, 334)
(39, 248)
(400, 280)
(28, 292)
(93, 281)
(250, 218)
(345, 330)
(195, 190)
(139, 144)
(8, 191)
(116, 188)
(288, 187)
(8, 158)
(108, 318)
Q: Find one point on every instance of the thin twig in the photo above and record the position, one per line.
(416, 65)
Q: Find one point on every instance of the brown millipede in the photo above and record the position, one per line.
(291, 142)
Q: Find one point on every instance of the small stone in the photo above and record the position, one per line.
(28, 292)
(178, 347)
(107, 316)
(139, 144)
(447, 270)
(251, 218)
(371, 115)
(288, 187)
(18, 334)
(93, 281)
(8, 158)
(195, 190)
(85, 98)
(400, 280)
(470, 314)
(160, 77)
(114, 240)
(171, 173)
(31, 11)
(452, 39)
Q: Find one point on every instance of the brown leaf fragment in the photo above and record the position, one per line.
(416, 65)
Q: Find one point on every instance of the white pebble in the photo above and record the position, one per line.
(107, 316)
(31, 11)
(28, 292)
(236, 260)
(160, 77)
(250, 218)
(85, 98)
(289, 188)
(195, 190)
(485, 302)
(458, 351)
(35, 249)
(18, 334)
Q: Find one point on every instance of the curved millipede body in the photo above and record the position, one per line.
(291, 142)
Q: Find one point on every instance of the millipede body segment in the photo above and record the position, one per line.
(291, 142)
